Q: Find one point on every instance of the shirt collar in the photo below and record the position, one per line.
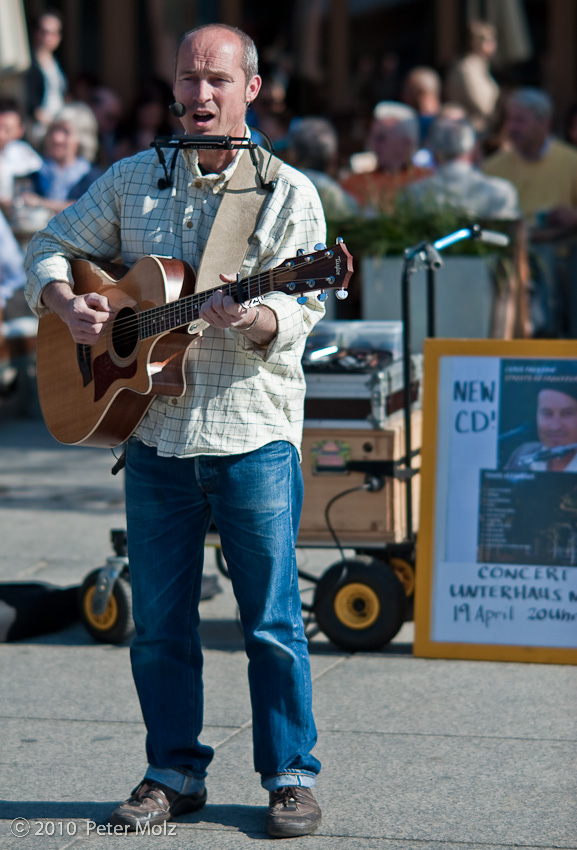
(455, 166)
(215, 181)
(542, 153)
(545, 149)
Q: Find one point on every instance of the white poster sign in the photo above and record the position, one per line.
(498, 537)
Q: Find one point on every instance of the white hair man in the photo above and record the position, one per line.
(457, 182)
(394, 139)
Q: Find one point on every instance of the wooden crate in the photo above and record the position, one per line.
(359, 518)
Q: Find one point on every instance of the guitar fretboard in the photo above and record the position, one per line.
(186, 310)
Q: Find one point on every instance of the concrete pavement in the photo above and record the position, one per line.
(416, 753)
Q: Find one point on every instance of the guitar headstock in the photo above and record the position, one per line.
(320, 270)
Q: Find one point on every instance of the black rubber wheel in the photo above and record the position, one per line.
(116, 623)
(360, 604)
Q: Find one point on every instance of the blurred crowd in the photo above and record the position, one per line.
(425, 141)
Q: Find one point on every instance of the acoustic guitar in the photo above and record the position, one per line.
(96, 395)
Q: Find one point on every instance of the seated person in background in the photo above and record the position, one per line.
(107, 108)
(556, 428)
(149, 117)
(70, 147)
(422, 91)
(469, 81)
(457, 183)
(312, 148)
(543, 169)
(12, 277)
(394, 139)
(17, 158)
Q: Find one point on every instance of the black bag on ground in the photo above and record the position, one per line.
(29, 609)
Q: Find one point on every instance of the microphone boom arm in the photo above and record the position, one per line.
(201, 143)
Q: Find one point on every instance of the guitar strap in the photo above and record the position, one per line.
(234, 224)
(236, 218)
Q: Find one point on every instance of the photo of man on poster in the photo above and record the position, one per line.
(527, 511)
(556, 423)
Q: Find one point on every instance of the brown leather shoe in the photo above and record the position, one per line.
(292, 811)
(152, 802)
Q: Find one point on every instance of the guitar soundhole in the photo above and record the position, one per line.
(125, 333)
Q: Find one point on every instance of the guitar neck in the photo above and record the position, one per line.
(184, 311)
(325, 268)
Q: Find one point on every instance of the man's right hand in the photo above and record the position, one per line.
(87, 316)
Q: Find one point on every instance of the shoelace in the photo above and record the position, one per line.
(286, 795)
(146, 791)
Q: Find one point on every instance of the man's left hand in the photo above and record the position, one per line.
(222, 311)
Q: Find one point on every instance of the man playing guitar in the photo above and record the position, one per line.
(228, 447)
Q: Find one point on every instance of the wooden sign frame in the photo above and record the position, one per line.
(442, 628)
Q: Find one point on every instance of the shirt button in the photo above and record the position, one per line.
(174, 401)
(189, 224)
(198, 184)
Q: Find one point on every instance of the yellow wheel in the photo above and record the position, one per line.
(104, 621)
(115, 623)
(360, 603)
(357, 606)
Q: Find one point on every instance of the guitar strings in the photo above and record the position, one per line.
(146, 319)
(197, 299)
(124, 327)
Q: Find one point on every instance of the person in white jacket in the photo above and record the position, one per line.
(457, 182)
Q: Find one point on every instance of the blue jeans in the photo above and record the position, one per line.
(255, 499)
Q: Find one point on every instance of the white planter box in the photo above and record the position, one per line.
(463, 296)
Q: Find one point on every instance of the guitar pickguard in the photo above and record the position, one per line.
(106, 371)
(84, 357)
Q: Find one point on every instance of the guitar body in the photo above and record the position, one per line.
(96, 395)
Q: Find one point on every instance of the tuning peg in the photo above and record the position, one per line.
(342, 294)
(339, 240)
(320, 246)
(300, 252)
(322, 296)
(302, 299)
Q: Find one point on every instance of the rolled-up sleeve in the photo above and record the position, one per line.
(294, 321)
(88, 228)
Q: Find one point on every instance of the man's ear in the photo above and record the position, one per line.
(253, 88)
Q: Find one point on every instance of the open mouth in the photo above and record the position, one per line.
(202, 118)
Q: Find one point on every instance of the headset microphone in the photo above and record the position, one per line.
(178, 109)
(202, 142)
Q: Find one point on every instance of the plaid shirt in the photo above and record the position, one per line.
(239, 397)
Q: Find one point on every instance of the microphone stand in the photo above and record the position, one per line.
(426, 255)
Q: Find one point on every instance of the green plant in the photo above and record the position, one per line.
(387, 234)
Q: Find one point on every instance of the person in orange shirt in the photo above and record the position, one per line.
(394, 139)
